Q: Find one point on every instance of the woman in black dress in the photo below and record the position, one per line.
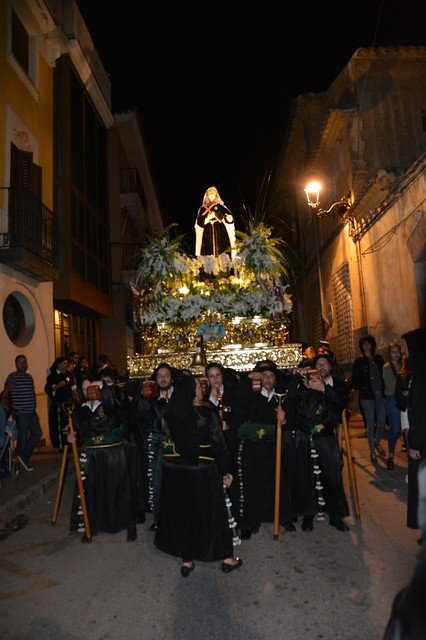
(194, 519)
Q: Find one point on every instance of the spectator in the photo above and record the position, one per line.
(367, 378)
(391, 370)
(20, 387)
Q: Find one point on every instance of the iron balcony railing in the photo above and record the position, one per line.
(130, 182)
(31, 226)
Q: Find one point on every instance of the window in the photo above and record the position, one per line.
(20, 43)
(90, 258)
(18, 319)
(24, 174)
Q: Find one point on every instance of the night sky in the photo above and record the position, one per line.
(214, 81)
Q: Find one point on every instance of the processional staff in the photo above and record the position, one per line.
(78, 476)
(351, 470)
(280, 397)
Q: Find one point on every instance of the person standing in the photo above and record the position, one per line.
(59, 387)
(104, 464)
(224, 383)
(367, 378)
(152, 417)
(391, 370)
(414, 347)
(193, 516)
(257, 449)
(312, 468)
(20, 387)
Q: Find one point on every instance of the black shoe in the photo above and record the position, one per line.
(245, 534)
(140, 516)
(153, 527)
(131, 534)
(338, 524)
(308, 523)
(289, 526)
(185, 571)
(227, 568)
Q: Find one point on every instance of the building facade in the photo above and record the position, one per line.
(62, 166)
(359, 268)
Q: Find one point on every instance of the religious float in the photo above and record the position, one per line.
(232, 308)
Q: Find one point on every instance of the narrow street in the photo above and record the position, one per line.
(322, 585)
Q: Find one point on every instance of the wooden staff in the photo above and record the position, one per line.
(60, 485)
(280, 397)
(79, 481)
(351, 471)
(80, 484)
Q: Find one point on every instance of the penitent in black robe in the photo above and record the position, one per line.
(193, 517)
(105, 469)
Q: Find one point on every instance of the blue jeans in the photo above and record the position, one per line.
(27, 423)
(375, 418)
(394, 420)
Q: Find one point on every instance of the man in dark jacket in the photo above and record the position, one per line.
(367, 378)
(312, 469)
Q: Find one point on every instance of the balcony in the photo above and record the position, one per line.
(133, 198)
(30, 243)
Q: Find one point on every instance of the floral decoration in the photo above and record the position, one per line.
(171, 286)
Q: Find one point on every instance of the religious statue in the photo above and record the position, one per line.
(214, 227)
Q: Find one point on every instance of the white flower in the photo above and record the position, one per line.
(255, 288)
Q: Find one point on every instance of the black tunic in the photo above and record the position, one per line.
(193, 518)
(257, 462)
(104, 467)
(311, 420)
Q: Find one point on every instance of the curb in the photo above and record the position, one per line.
(11, 508)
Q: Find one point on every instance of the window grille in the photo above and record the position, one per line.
(344, 314)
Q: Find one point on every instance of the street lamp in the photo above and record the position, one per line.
(339, 208)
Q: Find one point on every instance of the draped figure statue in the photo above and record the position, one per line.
(214, 226)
